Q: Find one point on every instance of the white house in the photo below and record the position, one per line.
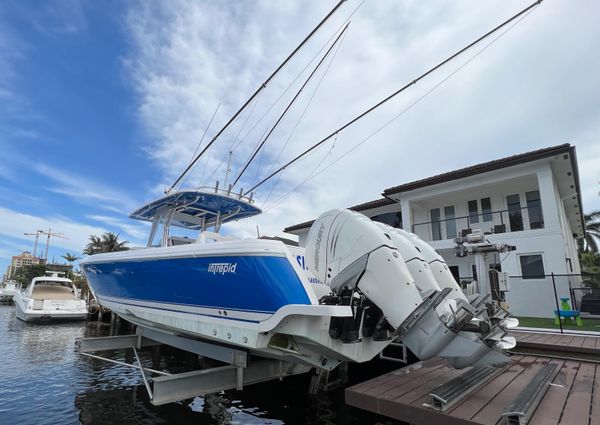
(531, 200)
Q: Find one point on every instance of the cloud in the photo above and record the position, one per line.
(86, 191)
(60, 17)
(12, 50)
(536, 86)
(14, 224)
(139, 232)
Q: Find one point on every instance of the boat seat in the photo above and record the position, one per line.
(178, 240)
(207, 236)
(44, 292)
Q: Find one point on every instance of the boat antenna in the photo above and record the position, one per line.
(287, 108)
(228, 170)
(258, 90)
(391, 96)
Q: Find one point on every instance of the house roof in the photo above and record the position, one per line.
(373, 204)
(360, 207)
(484, 167)
(473, 170)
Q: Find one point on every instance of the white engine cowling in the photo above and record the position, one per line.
(388, 272)
(343, 240)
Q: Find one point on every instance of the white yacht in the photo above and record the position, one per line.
(8, 290)
(50, 297)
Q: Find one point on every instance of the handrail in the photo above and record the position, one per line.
(477, 215)
(226, 192)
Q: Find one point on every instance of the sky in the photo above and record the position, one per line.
(103, 104)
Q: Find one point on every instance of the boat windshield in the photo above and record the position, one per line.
(64, 284)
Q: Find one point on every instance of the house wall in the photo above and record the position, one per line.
(555, 242)
(527, 297)
(496, 186)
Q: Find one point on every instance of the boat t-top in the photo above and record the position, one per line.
(50, 298)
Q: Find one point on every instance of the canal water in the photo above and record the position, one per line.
(43, 380)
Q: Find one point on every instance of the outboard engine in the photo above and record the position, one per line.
(399, 287)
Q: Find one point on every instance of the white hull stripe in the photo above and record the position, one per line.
(245, 315)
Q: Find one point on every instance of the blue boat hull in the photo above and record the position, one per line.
(253, 284)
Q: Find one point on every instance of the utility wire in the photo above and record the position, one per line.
(289, 105)
(315, 173)
(274, 185)
(391, 96)
(235, 144)
(201, 140)
(258, 90)
(333, 35)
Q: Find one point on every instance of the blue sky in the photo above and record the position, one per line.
(103, 103)
(70, 149)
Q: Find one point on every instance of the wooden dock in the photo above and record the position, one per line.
(558, 343)
(572, 399)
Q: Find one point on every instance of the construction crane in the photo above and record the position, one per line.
(50, 233)
(37, 236)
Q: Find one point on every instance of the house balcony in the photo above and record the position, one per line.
(490, 222)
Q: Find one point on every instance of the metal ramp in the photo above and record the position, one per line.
(239, 370)
(458, 388)
(523, 406)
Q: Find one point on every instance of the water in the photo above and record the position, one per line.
(43, 380)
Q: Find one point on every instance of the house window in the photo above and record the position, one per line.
(515, 217)
(473, 212)
(393, 219)
(436, 228)
(534, 209)
(532, 266)
(486, 209)
(474, 271)
(450, 222)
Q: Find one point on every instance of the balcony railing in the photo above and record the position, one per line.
(500, 221)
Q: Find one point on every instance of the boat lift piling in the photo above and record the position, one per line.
(237, 372)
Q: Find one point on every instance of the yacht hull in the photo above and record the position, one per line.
(28, 315)
(243, 287)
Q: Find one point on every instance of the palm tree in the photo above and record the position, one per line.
(94, 246)
(592, 232)
(70, 257)
(108, 242)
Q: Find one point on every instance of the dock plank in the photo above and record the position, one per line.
(550, 408)
(476, 401)
(589, 342)
(365, 394)
(492, 411)
(542, 337)
(436, 375)
(577, 407)
(577, 341)
(565, 340)
(595, 407)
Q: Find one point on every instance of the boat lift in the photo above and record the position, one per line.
(240, 368)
